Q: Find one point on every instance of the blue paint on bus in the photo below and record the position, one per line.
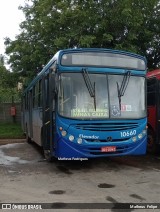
(88, 103)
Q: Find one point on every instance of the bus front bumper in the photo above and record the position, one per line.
(68, 150)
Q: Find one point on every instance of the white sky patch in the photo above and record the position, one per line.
(10, 18)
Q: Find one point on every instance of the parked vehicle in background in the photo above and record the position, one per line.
(153, 102)
(88, 103)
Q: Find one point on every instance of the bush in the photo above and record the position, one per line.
(9, 130)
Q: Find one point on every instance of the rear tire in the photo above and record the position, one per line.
(28, 139)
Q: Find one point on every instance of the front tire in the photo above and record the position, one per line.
(48, 156)
(46, 153)
(28, 139)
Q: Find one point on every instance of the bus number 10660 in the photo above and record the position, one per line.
(128, 133)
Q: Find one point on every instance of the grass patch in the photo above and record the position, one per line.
(11, 130)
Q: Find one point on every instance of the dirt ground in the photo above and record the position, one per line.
(26, 177)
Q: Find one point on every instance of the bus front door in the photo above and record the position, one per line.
(48, 117)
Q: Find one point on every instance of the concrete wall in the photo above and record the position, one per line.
(5, 113)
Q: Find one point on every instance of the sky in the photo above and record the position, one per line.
(10, 18)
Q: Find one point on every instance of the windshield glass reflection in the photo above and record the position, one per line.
(75, 100)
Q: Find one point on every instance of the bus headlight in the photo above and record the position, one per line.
(63, 133)
(71, 137)
(79, 140)
(140, 135)
(144, 132)
(134, 139)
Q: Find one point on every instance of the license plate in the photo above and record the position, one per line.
(108, 149)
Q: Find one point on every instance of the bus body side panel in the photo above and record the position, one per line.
(26, 122)
(23, 114)
(30, 123)
(37, 125)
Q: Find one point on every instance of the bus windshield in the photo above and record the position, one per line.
(75, 100)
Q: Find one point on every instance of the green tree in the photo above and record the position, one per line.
(53, 25)
(8, 84)
(1, 59)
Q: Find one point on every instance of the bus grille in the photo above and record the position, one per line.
(106, 127)
(105, 140)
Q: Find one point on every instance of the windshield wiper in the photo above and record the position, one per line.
(90, 87)
(122, 89)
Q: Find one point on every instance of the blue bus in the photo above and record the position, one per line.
(87, 103)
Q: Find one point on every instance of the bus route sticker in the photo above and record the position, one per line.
(127, 108)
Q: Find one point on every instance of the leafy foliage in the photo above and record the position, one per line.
(51, 25)
(8, 85)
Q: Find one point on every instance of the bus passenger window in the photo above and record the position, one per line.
(40, 94)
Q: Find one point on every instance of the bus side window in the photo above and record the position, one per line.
(34, 97)
(26, 101)
(40, 94)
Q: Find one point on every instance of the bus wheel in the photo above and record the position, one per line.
(151, 145)
(28, 139)
(47, 156)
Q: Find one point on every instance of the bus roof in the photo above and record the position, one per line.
(154, 73)
(101, 50)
